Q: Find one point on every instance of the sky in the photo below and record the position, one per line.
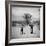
(18, 12)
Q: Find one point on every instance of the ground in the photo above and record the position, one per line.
(16, 32)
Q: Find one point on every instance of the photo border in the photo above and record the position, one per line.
(6, 9)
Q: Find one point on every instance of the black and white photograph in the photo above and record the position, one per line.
(25, 22)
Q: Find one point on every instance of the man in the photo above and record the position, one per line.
(28, 20)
